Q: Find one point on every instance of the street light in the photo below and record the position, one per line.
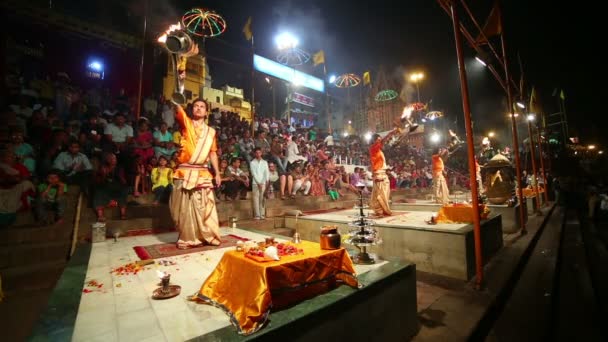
(285, 41)
(520, 105)
(530, 117)
(416, 78)
(435, 137)
(591, 147)
(491, 134)
(332, 79)
(478, 59)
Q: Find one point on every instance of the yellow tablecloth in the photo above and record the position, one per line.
(247, 290)
(459, 213)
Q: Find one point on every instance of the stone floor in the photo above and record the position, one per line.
(410, 219)
(122, 308)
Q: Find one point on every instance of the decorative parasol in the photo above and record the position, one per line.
(203, 23)
(347, 81)
(433, 115)
(293, 56)
(386, 95)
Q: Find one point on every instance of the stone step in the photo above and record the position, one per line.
(42, 275)
(22, 235)
(287, 232)
(33, 253)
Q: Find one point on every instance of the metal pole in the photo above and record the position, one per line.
(418, 90)
(464, 89)
(542, 164)
(534, 171)
(252, 88)
(327, 111)
(520, 191)
(289, 95)
(141, 63)
(274, 103)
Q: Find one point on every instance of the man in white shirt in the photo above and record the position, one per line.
(293, 154)
(119, 133)
(168, 115)
(259, 177)
(329, 140)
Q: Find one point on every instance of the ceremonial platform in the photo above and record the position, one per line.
(509, 215)
(100, 297)
(444, 249)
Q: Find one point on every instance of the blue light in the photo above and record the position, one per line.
(332, 78)
(288, 74)
(96, 66)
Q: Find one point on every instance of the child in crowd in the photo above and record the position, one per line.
(162, 176)
(174, 160)
(51, 198)
(140, 175)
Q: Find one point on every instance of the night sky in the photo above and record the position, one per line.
(558, 44)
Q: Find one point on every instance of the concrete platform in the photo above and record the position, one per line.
(444, 249)
(509, 215)
(122, 310)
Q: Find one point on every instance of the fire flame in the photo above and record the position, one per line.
(163, 37)
(407, 111)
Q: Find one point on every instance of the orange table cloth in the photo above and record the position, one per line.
(247, 290)
(459, 213)
(527, 192)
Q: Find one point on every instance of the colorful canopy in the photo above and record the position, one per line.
(347, 81)
(386, 95)
(203, 23)
(293, 56)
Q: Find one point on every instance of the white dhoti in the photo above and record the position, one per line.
(440, 188)
(195, 215)
(380, 194)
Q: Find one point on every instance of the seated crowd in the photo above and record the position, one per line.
(91, 140)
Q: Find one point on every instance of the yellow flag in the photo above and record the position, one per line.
(367, 78)
(247, 29)
(533, 102)
(318, 58)
(493, 25)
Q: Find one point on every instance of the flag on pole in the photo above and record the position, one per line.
(247, 29)
(562, 95)
(318, 58)
(493, 26)
(367, 78)
(533, 103)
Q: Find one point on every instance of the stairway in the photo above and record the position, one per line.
(32, 259)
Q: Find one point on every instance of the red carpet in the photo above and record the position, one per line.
(163, 250)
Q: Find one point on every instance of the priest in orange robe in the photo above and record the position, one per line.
(440, 186)
(381, 189)
(192, 202)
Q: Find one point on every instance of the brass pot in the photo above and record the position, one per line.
(330, 238)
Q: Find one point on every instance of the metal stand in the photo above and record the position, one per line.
(363, 235)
